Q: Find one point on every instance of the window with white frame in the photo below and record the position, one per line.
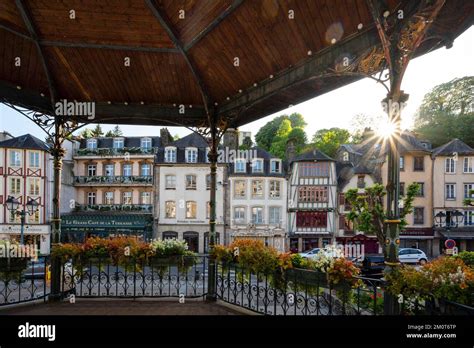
(34, 186)
(257, 188)
(109, 170)
(450, 191)
(170, 182)
(145, 198)
(127, 170)
(15, 186)
(91, 198)
(191, 155)
(91, 144)
(449, 165)
(240, 189)
(257, 166)
(402, 163)
(170, 154)
(239, 215)
(109, 197)
(170, 209)
(240, 165)
(190, 182)
(145, 143)
(15, 158)
(274, 215)
(468, 217)
(467, 189)
(207, 154)
(145, 169)
(275, 166)
(118, 143)
(127, 198)
(257, 215)
(34, 159)
(91, 170)
(208, 181)
(468, 165)
(275, 189)
(191, 209)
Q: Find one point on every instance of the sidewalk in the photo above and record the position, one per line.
(122, 307)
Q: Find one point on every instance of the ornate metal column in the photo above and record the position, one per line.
(211, 281)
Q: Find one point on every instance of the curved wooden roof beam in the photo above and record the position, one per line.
(31, 29)
(179, 45)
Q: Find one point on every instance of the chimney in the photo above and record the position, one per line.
(290, 152)
(231, 139)
(165, 137)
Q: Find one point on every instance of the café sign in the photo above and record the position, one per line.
(28, 229)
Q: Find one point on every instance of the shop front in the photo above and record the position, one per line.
(76, 228)
(305, 242)
(464, 238)
(419, 238)
(33, 234)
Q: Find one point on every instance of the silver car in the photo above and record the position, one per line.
(412, 255)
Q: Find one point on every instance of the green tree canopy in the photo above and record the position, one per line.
(266, 135)
(367, 209)
(278, 146)
(247, 144)
(329, 140)
(86, 133)
(447, 112)
(298, 135)
(97, 131)
(116, 132)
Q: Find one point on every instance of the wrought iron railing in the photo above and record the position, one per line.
(23, 280)
(113, 180)
(107, 152)
(296, 292)
(170, 277)
(146, 208)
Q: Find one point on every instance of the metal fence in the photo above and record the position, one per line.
(23, 280)
(171, 277)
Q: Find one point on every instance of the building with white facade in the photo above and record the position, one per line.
(453, 178)
(182, 193)
(24, 169)
(257, 192)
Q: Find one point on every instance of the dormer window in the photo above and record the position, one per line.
(145, 143)
(345, 156)
(275, 166)
(170, 154)
(92, 143)
(239, 166)
(191, 155)
(118, 143)
(257, 166)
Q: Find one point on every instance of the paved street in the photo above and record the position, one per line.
(122, 307)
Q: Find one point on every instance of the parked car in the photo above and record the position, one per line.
(310, 253)
(35, 269)
(411, 255)
(373, 265)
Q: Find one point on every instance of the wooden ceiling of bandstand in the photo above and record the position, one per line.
(249, 58)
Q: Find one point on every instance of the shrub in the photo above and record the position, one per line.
(467, 257)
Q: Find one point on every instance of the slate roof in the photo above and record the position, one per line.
(26, 141)
(108, 142)
(313, 155)
(454, 146)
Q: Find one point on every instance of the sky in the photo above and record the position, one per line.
(333, 109)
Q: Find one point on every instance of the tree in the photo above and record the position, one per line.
(266, 135)
(176, 137)
(447, 112)
(298, 135)
(469, 201)
(116, 132)
(361, 124)
(367, 209)
(246, 144)
(278, 146)
(97, 131)
(329, 140)
(86, 133)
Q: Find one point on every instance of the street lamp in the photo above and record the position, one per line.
(457, 217)
(31, 207)
(440, 218)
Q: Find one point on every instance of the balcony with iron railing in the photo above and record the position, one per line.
(143, 208)
(114, 152)
(113, 180)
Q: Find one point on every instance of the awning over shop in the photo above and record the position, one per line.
(458, 234)
(103, 222)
